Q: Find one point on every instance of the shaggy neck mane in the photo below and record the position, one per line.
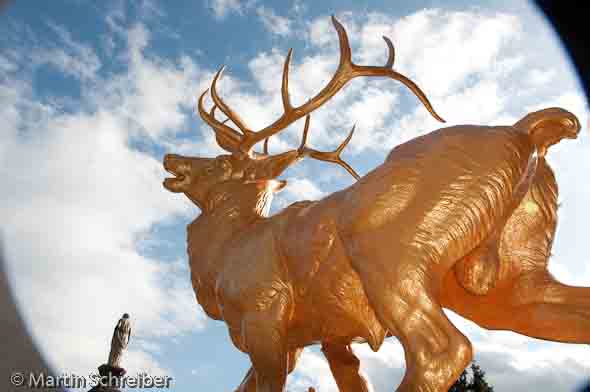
(239, 201)
(230, 208)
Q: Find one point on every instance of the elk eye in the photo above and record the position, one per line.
(224, 165)
(249, 174)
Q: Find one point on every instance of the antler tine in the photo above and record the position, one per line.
(285, 83)
(226, 137)
(345, 51)
(346, 71)
(391, 52)
(265, 148)
(327, 156)
(302, 147)
(212, 113)
(234, 117)
(284, 94)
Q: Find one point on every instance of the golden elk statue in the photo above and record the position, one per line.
(462, 218)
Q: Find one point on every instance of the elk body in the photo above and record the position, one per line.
(461, 218)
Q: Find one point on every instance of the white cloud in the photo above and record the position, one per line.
(303, 189)
(70, 57)
(162, 90)
(149, 9)
(223, 7)
(312, 371)
(540, 77)
(441, 49)
(369, 113)
(274, 23)
(7, 66)
(79, 197)
(298, 7)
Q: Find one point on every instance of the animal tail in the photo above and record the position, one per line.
(548, 127)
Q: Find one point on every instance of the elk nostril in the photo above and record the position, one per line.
(169, 159)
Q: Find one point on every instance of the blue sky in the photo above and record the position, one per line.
(94, 93)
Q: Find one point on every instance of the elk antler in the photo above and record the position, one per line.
(226, 137)
(231, 115)
(346, 71)
(326, 156)
(241, 143)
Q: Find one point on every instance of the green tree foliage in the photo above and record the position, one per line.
(477, 382)
(461, 385)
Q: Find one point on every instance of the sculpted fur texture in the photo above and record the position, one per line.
(461, 218)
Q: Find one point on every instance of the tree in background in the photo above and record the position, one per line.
(461, 385)
(477, 383)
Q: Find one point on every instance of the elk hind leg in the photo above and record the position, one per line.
(402, 293)
(548, 309)
(532, 304)
(436, 352)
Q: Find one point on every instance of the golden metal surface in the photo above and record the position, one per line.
(438, 225)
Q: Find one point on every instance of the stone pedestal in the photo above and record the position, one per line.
(111, 378)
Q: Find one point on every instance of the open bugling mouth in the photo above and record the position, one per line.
(177, 176)
(175, 184)
(178, 179)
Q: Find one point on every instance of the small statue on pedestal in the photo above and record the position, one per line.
(120, 340)
(111, 372)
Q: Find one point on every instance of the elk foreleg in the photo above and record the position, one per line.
(345, 368)
(249, 382)
(264, 335)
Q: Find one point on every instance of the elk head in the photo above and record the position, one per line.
(204, 179)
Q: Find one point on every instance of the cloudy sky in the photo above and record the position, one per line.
(93, 94)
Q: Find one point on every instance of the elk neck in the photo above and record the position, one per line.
(230, 209)
(234, 205)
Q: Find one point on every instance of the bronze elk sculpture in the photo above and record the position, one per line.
(440, 224)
